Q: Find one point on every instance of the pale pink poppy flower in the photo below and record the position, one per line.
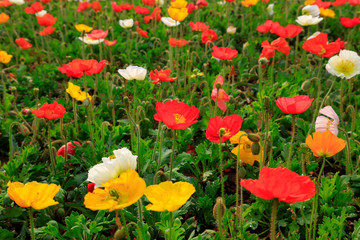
(323, 124)
(222, 97)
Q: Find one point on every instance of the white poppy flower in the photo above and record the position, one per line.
(324, 124)
(159, 3)
(270, 9)
(90, 41)
(312, 10)
(17, 2)
(346, 65)
(231, 30)
(168, 21)
(133, 73)
(112, 167)
(126, 23)
(306, 20)
(41, 13)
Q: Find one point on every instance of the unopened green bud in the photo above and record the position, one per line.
(110, 104)
(254, 137)
(203, 85)
(267, 103)
(120, 234)
(306, 85)
(126, 102)
(149, 107)
(255, 148)
(219, 209)
(86, 102)
(24, 130)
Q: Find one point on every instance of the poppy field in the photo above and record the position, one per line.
(159, 119)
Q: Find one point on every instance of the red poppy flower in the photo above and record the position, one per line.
(220, 96)
(162, 76)
(23, 43)
(339, 2)
(349, 22)
(110, 43)
(47, 31)
(83, 6)
(224, 53)
(96, 6)
(322, 4)
(178, 42)
(142, 32)
(149, 2)
(265, 1)
(46, 20)
(156, 14)
(208, 36)
(176, 115)
(116, 8)
(90, 187)
(294, 105)
(71, 149)
(126, 6)
(320, 46)
(98, 34)
(78, 67)
(266, 27)
(289, 31)
(5, 3)
(267, 53)
(230, 124)
(354, 2)
(201, 3)
(281, 183)
(50, 111)
(141, 10)
(199, 26)
(341, 43)
(34, 8)
(278, 44)
(191, 7)
(45, 1)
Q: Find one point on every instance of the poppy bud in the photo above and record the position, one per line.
(218, 86)
(303, 148)
(242, 172)
(203, 85)
(36, 92)
(306, 85)
(120, 234)
(90, 187)
(26, 111)
(201, 110)
(329, 82)
(254, 137)
(263, 61)
(142, 113)
(61, 212)
(86, 102)
(267, 103)
(126, 102)
(232, 100)
(24, 130)
(255, 148)
(345, 99)
(110, 104)
(219, 209)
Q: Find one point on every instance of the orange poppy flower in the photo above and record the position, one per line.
(142, 32)
(178, 42)
(325, 144)
(4, 18)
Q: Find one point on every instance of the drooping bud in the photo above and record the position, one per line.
(254, 137)
(126, 102)
(120, 234)
(306, 85)
(219, 209)
(203, 85)
(86, 102)
(110, 104)
(255, 148)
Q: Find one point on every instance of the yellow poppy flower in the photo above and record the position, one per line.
(33, 194)
(119, 193)
(245, 155)
(325, 144)
(309, 2)
(327, 12)
(76, 93)
(249, 3)
(179, 4)
(4, 18)
(178, 14)
(168, 196)
(4, 57)
(83, 28)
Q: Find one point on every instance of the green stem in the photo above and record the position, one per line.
(161, 136)
(237, 183)
(288, 162)
(75, 117)
(53, 164)
(273, 218)
(221, 169)
(123, 222)
(31, 218)
(170, 225)
(173, 153)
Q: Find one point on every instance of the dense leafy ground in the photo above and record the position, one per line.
(117, 112)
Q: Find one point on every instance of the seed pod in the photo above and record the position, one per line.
(219, 209)
(255, 148)
(306, 85)
(254, 137)
(218, 86)
(110, 104)
(120, 234)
